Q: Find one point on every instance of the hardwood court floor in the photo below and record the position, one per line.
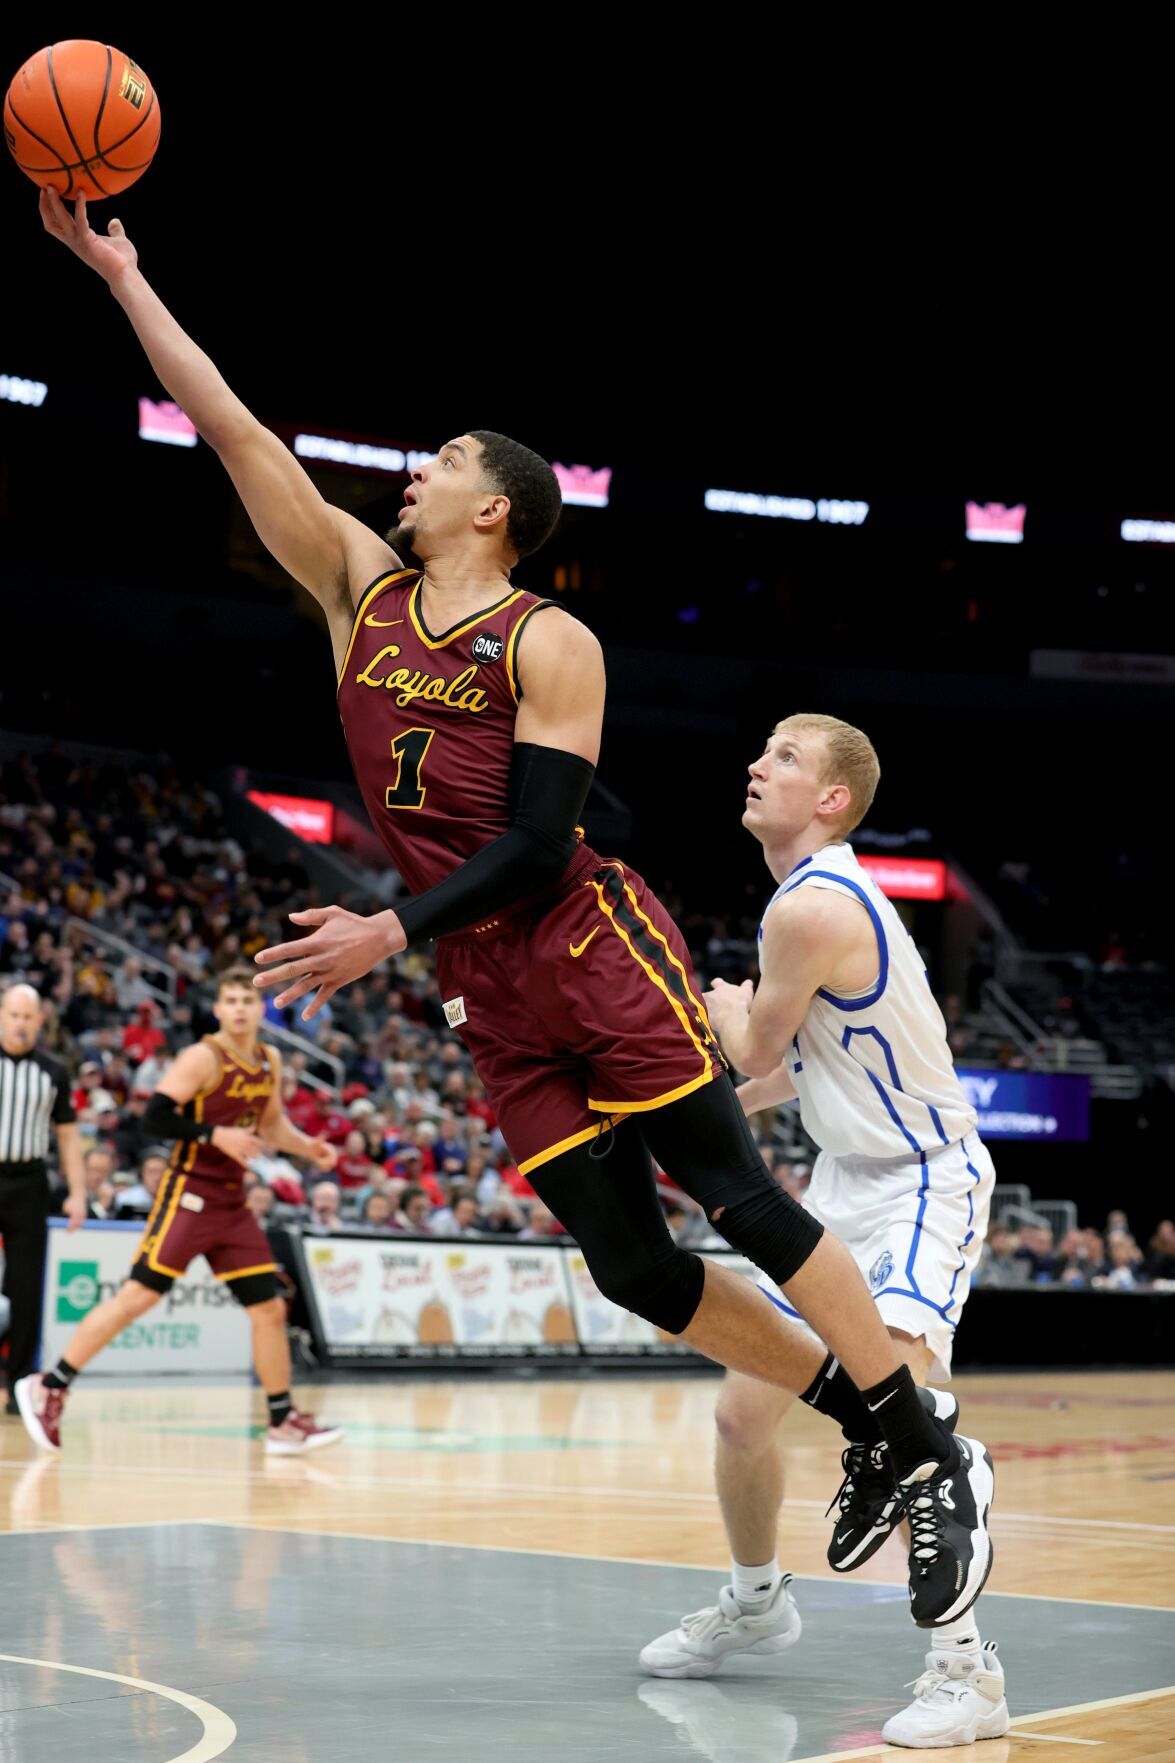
(617, 1469)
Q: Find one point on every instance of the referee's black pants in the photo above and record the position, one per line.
(24, 1213)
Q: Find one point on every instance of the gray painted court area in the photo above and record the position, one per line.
(339, 1650)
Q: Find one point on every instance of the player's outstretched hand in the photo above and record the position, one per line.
(343, 947)
(238, 1142)
(111, 255)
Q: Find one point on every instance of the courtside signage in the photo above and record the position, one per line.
(404, 1298)
(197, 1326)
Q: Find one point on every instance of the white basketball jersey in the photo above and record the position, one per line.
(873, 1070)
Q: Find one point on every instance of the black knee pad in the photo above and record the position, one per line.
(666, 1292)
(705, 1144)
(765, 1224)
(610, 1205)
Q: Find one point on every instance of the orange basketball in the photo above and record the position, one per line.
(81, 118)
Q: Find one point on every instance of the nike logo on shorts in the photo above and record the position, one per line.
(381, 624)
(576, 953)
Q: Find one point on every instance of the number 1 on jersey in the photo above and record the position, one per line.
(409, 748)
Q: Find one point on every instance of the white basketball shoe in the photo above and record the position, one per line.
(957, 1700)
(705, 1639)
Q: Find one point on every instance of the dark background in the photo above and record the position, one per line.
(703, 264)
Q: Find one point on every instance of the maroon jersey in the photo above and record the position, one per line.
(237, 1096)
(429, 722)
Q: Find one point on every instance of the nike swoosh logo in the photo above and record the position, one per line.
(576, 953)
(381, 624)
(874, 1406)
(848, 1533)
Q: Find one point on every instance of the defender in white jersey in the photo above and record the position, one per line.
(844, 1023)
(902, 1177)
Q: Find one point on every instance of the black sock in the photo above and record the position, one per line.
(913, 1436)
(834, 1393)
(279, 1407)
(61, 1376)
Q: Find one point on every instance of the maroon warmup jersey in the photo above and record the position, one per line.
(579, 1006)
(199, 1208)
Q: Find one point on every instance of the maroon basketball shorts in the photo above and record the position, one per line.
(579, 1014)
(187, 1221)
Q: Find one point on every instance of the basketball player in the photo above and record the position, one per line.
(473, 711)
(220, 1103)
(845, 1021)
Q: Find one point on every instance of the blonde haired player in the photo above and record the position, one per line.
(220, 1103)
(844, 1021)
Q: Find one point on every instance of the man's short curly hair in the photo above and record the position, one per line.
(536, 501)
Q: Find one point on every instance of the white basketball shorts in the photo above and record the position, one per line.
(914, 1227)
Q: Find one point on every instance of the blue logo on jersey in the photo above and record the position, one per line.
(880, 1271)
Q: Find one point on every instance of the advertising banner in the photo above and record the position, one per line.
(603, 1327)
(394, 1298)
(1029, 1104)
(197, 1326)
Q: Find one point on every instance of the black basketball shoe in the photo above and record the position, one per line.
(950, 1549)
(867, 1497)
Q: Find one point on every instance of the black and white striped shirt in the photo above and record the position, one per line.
(34, 1092)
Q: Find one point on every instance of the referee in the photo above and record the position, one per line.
(34, 1091)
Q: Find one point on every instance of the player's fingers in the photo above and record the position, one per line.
(79, 213)
(291, 995)
(52, 213)
(323, 996)
(115, 230)
(285, 951)
(310, 915)
(281, 975)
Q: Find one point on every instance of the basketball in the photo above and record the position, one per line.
(82, 118)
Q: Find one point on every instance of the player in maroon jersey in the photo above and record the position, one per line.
(219, 1103)
(473, 714)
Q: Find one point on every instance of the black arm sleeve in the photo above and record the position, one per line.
(548, 789)
(162, 1120)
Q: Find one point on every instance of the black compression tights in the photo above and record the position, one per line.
(605, 1195)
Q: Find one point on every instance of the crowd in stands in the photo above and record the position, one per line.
(1109, 1260)
(148, 857)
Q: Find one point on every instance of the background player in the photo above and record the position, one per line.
(220, 1103)
(474, 727)
(902, 1178)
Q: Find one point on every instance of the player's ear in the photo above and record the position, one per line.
(493, 513)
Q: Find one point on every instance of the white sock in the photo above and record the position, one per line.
(754, 1587)
(960, 1636)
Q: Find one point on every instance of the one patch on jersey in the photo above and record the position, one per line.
(455, 1012)
(192, 1202)
(488, 648)
(880, 1270)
